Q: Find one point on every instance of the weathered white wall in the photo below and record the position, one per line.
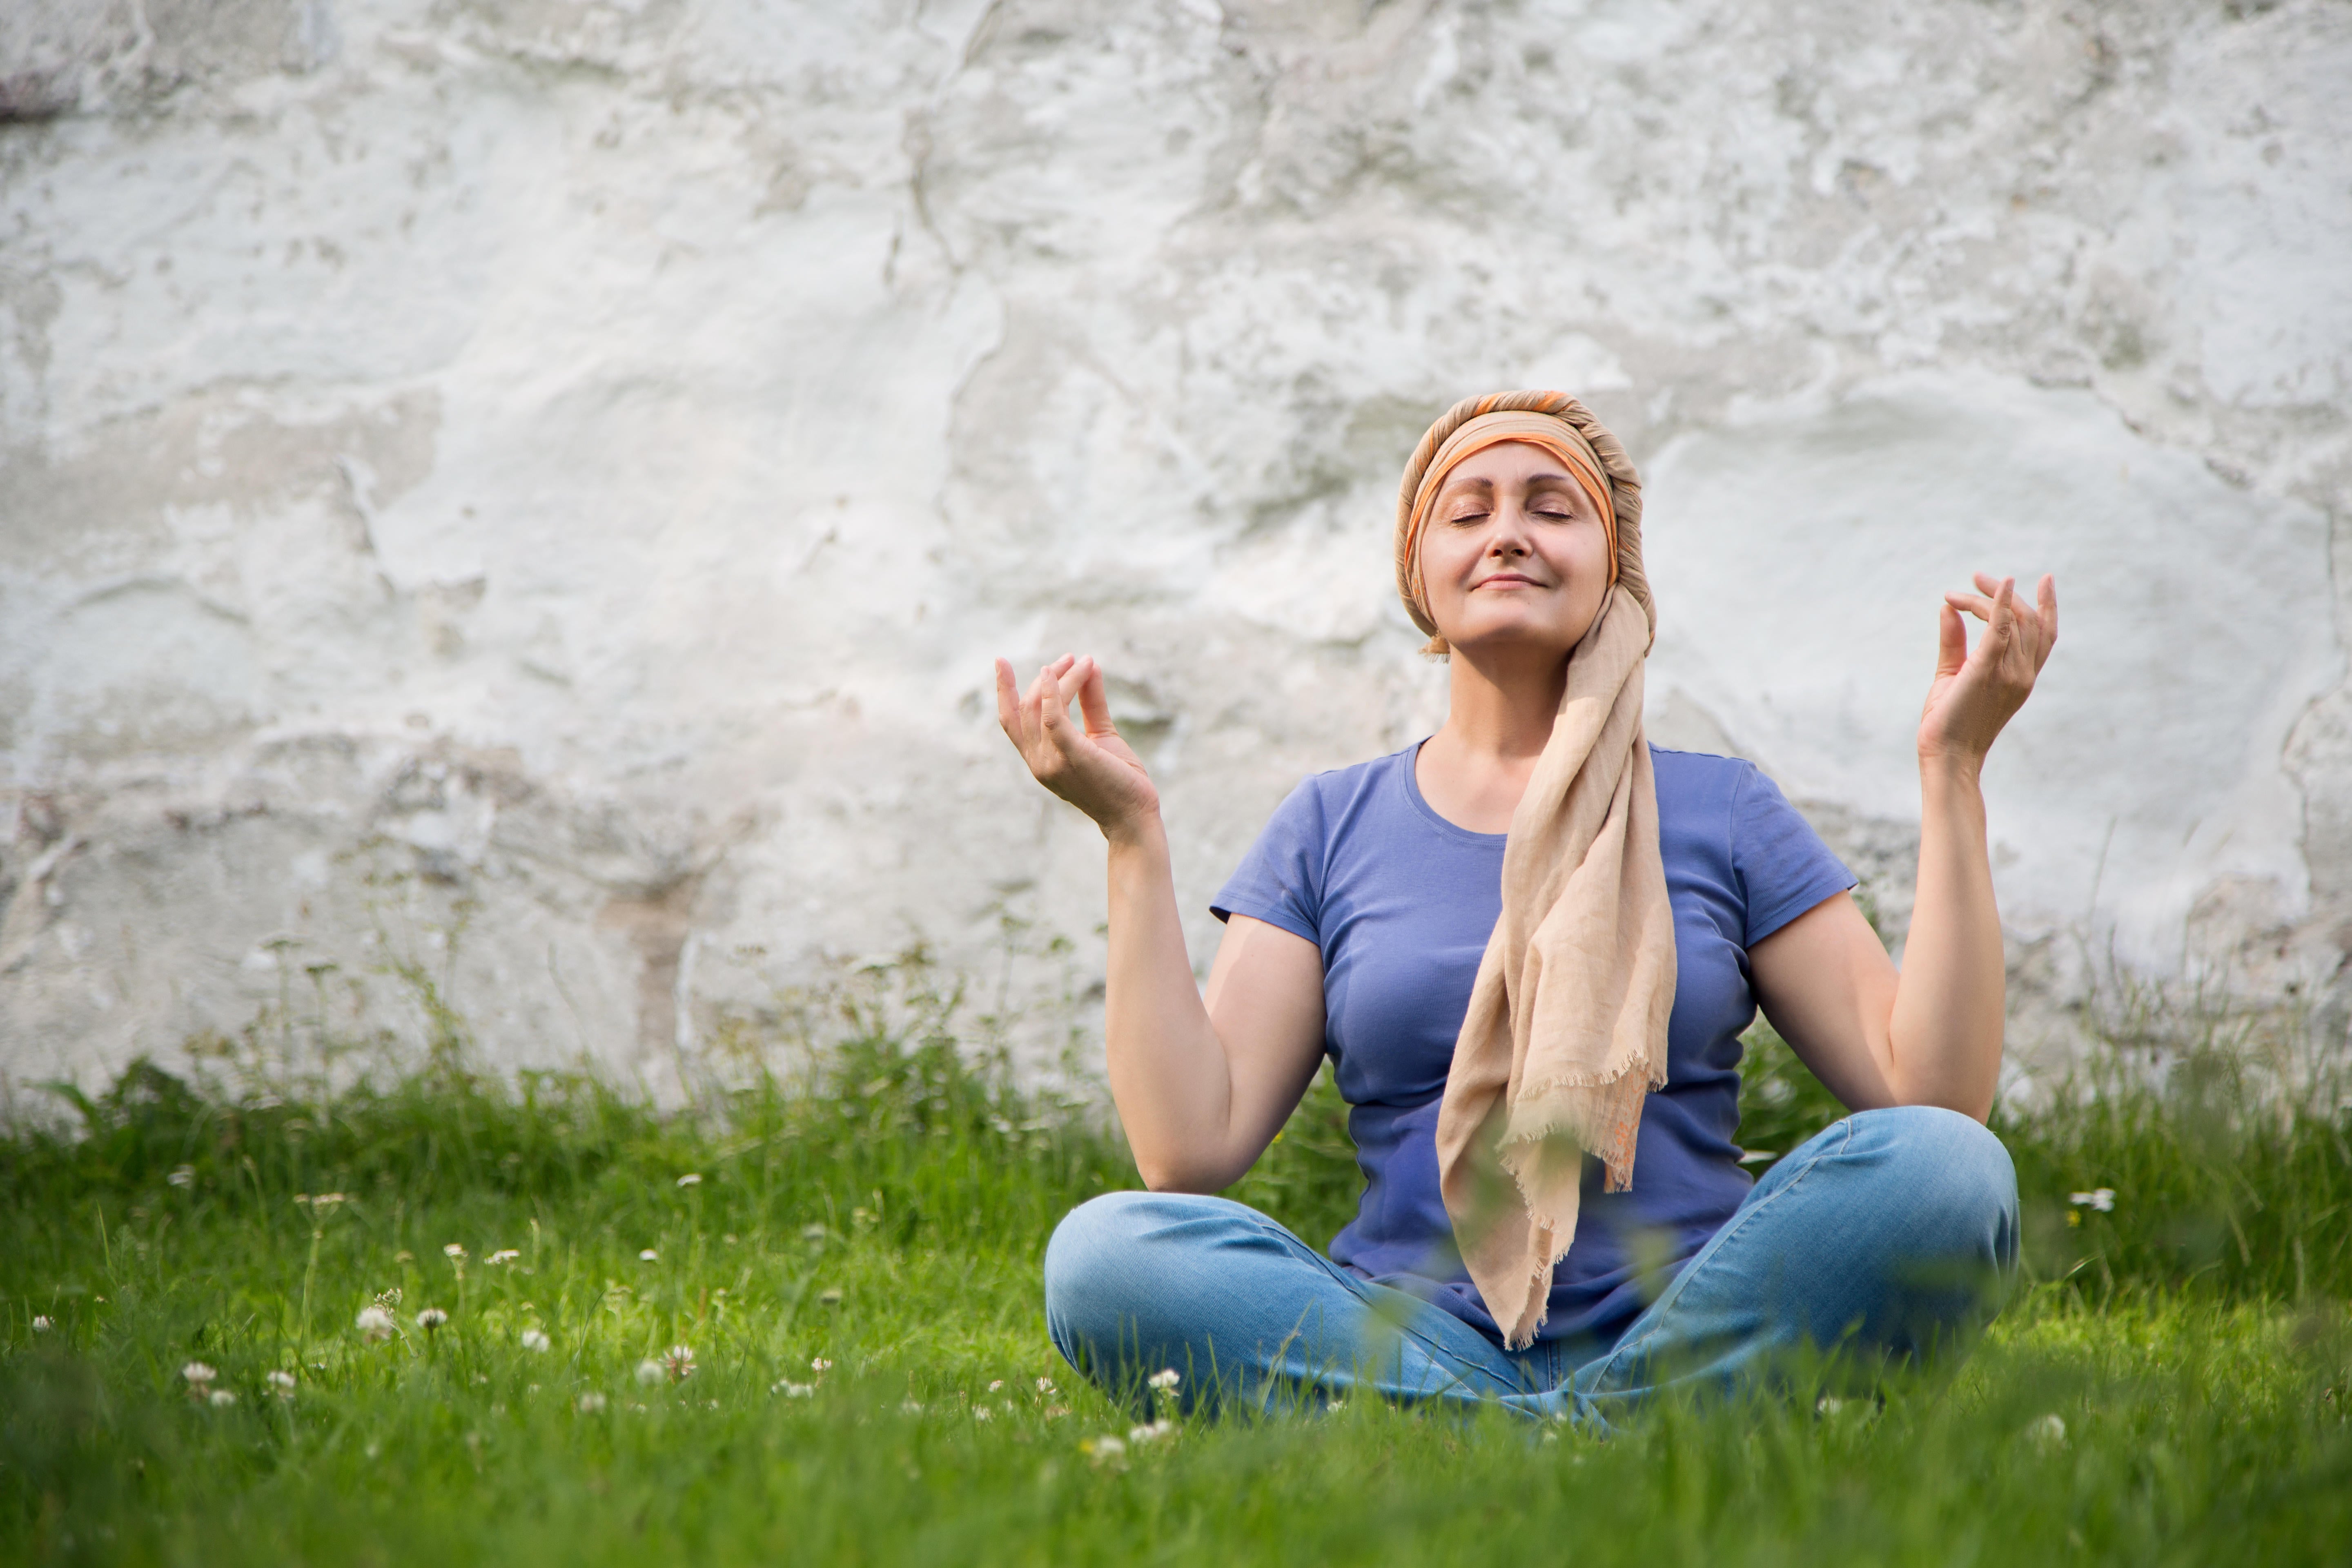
(529, 492)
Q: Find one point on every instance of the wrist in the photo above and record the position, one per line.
(1950, 770)
(1144, 830)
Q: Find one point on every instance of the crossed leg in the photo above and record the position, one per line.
(1885, 1237)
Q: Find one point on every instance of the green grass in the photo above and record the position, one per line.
(886, 1213)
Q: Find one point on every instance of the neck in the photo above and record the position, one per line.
(1475, 769)
(1499, 707)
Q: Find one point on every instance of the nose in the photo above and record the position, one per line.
(1510, 535)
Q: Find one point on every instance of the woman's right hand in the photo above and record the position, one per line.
(1080, 758)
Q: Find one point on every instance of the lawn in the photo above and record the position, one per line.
(802, 1324)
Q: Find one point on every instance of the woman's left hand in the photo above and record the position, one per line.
(1977, 689)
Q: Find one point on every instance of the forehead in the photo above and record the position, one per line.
(1506, 462)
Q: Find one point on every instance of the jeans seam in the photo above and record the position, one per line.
(1739, 1223)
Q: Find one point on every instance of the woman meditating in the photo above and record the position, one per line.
(1529, 945)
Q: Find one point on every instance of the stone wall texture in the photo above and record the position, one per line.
(509, 506)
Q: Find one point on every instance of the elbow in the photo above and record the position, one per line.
(1166, 1175)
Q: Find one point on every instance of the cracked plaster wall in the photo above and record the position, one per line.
(522, 496)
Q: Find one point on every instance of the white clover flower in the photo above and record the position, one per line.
(453, 1250)
(996, 1385)
(1164, 1380)
(431, 1317)
(691, 1179)
(1103, 1448)
(910, 1406)
(2047, 1432)
(982, 1412)
(282, 1383)
(791, 1390)
(678, 1361)
(42, 1325)
(590, 1404)
(2102, 1199)
(1151, 1434)
(182, 1175)
(1045, 1386)
(650, 1373)
(503, 1255)
(220, 1397)
(648, 1256)
(198, 1373)
(820, 1366)
(535, 1340)
(375, 1323)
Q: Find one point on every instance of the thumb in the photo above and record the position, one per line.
(1952, 644)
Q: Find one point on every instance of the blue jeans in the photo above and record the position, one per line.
(1884, 1236)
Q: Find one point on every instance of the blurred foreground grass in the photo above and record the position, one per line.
(804, 1324)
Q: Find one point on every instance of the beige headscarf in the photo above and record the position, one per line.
(1566, 1032)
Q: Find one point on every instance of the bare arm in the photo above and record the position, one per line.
(1202, 1085)
(1932, 1034)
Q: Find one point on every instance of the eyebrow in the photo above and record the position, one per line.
(1547, 475)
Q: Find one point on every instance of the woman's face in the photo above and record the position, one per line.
(1514, 557)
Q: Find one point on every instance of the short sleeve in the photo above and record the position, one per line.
(1280, 880)
(1784, 867)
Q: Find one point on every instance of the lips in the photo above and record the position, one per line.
(1505, 580)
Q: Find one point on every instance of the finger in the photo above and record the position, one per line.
(1951, 642)
(1974, 604)
(1987, 584)
(1052, 709)
(2046, 594)
(1071, 681)
(2003, 626)
(1008, 701)
(1094, 699)
(1033, 702)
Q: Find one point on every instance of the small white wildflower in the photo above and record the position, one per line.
(2047, 1432)
(791, 1390)
(454, 1250)
(650, 1373)
(375, 1323)
(503, 1255)
(535, 1340)
(2101, 1198)
(1337, 1405)
(182, 1175)
(1165, 1379)
(910, 1406)
(996, 1385)
(1152, 1433)
(1102, 1448)
(691, 1179)
(590, 1404)
(648, 1256)
(42, 1325)
(678, 1361)
(982, 1412)
(282, 1383)
(820, 1366)
(431, 1317)
(198, 1373)
(221, 1397)
(328, 1200)
(1045, 1386)
(813, 1233)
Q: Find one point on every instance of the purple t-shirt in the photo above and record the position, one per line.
(1402, 902)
